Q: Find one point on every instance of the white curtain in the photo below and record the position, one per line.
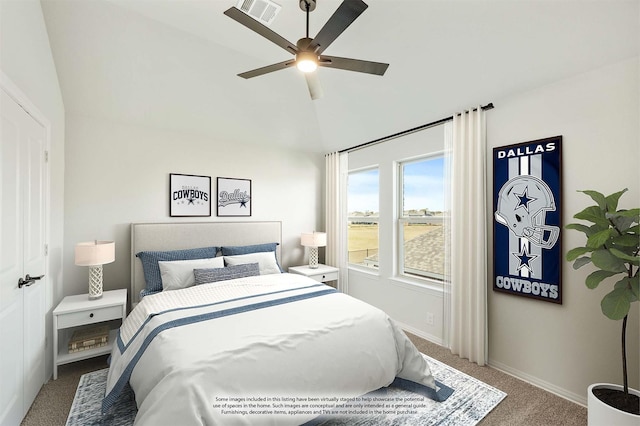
(466, 289)
(336, 172)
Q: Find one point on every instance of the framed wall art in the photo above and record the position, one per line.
(234, 197)
(189, 195)
(527, 219)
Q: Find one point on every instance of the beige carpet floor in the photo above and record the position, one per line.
(524, 405)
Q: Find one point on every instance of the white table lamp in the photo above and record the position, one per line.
(94, 254)
(313, 240)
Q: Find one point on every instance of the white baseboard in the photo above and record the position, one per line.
(542, 384)
(434, 339)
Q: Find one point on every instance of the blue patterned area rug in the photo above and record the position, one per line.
(468, 400)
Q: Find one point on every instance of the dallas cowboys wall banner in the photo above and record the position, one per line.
(189, 195)
(527, 219)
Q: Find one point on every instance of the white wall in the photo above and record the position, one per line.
(564, 348)
(408, 301)
(25, 58)
(117, 174)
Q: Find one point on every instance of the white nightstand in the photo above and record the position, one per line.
(322, 273)
(76, 311)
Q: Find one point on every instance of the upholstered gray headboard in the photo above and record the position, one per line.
(184, 235)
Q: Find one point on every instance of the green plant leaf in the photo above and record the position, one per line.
(635, 260)
(628, 284)
(634, 213)
(634, 230)
(612, 200)
(593, 214)
(635, 287)
(616, 304)
(603, 259)
(596, 278)
(580, 262)
(626, 240)
(595, 228)
(578, 251)
(599, 238)
(579, 227)
(621, 223)
(597, 197)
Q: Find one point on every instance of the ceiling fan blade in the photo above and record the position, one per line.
(246, 20)
(313, 82)
(346, 13)
(269, 68)
(377, 68)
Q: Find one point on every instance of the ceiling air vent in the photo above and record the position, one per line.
(264, 11)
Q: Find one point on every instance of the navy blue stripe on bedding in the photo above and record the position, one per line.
(122, 346)
(112, 397)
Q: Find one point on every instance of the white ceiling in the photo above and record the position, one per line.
(172, 64)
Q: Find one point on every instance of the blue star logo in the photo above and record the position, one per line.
(525, 258)
(524, 199)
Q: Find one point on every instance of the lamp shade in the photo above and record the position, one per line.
(95, 253)
(313, 239)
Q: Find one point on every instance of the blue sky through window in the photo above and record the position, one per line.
(423, 187)
(362, 195)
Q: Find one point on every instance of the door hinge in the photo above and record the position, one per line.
(46, 156)
(46, 249)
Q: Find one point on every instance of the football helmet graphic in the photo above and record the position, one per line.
(523, 203)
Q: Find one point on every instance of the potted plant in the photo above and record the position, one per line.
(613, 244)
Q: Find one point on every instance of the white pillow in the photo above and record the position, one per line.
(266, 261)
(178, 274)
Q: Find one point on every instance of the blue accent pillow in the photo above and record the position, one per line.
(150, 259)
(255, 248)
(212, 275)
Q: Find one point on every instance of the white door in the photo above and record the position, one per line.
(22, 252)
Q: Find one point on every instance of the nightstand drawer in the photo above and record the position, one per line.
(92, 316)
(329, 276)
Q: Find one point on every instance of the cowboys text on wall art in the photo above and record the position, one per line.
(189, 195)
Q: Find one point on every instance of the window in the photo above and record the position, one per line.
(362, 227)
(421, 218)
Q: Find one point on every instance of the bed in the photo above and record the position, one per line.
(245, 343)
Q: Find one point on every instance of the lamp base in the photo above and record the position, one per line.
(95, 282)
(313, 257)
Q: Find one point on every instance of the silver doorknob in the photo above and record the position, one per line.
(25, 283)
(28, 280)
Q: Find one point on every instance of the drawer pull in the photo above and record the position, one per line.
(91, 315)
(324, 276)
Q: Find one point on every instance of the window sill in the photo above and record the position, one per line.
(364, 270)
(417, 285)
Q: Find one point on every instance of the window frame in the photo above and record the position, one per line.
(370, 219)
(402, 220)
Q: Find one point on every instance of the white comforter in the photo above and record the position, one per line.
(199, 355)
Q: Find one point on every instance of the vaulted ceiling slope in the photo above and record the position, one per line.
(173, 64)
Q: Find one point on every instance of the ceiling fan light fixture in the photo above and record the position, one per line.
(306, 61)
(308, 51)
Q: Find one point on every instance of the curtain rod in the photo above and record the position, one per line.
(406, 132)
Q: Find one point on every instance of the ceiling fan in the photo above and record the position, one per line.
(307, 51)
